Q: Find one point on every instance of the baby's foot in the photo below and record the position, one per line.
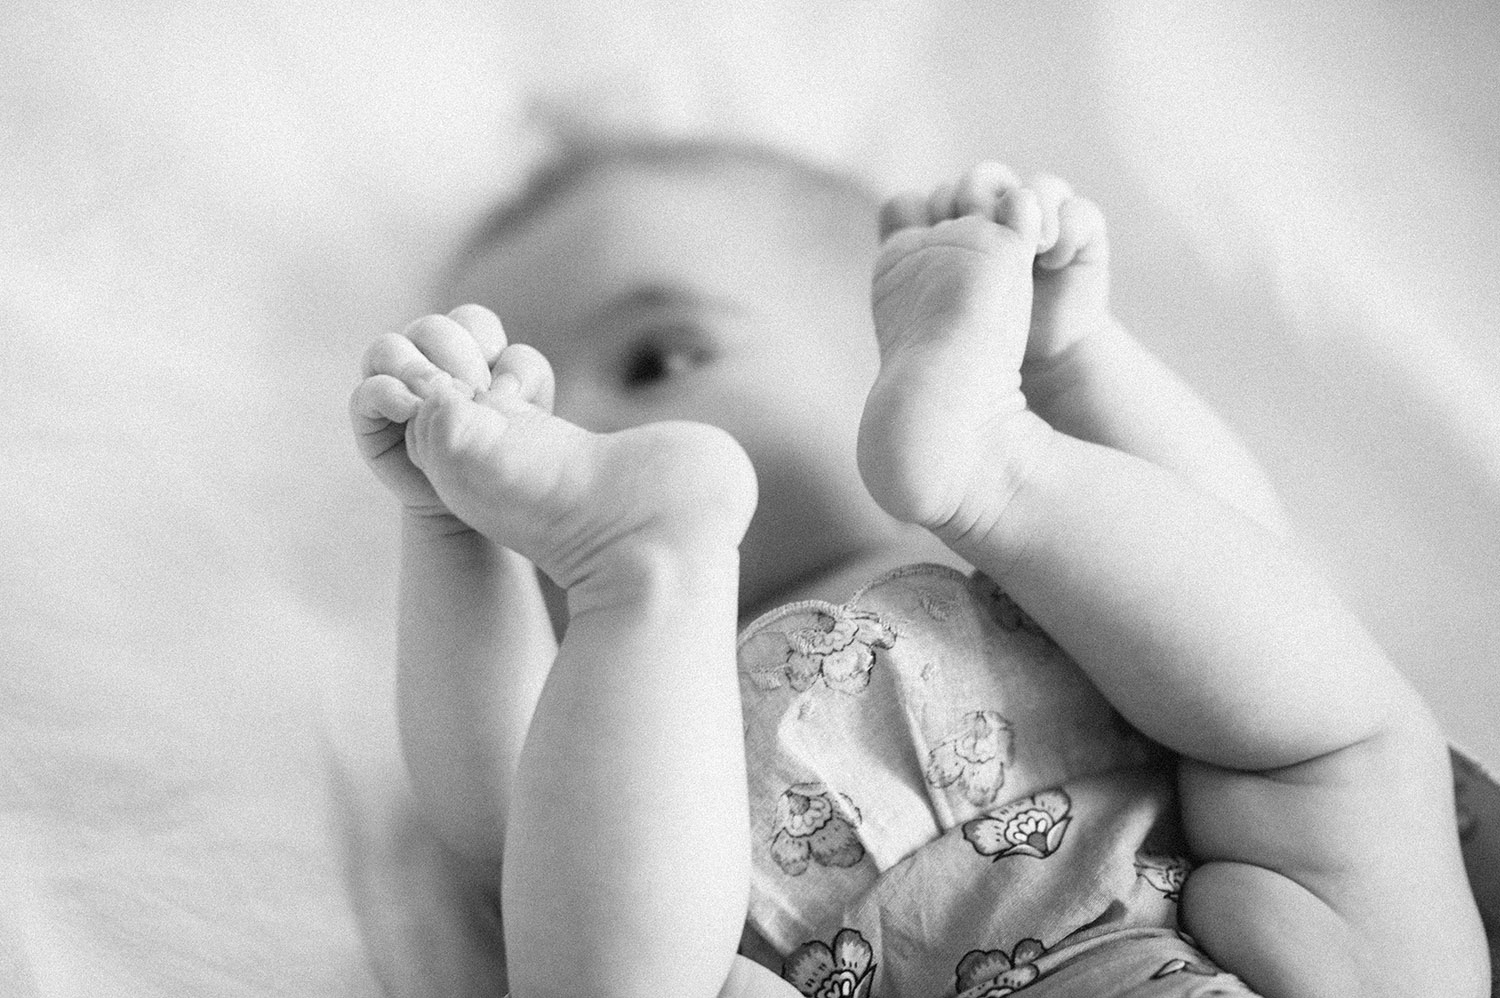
(575, 503)
(952, 305)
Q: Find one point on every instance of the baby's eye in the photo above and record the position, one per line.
(666, 354)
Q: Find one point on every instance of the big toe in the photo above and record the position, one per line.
(522, 377)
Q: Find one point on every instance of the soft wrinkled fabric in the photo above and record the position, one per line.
(941, 799)
(943, 804)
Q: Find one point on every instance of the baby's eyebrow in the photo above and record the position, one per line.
(655, 296)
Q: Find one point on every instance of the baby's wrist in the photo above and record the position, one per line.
(1080, 350)
(1049, 381)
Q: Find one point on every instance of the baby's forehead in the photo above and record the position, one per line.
(803, 203)
(596, 251)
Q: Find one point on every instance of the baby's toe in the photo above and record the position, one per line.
(980, 188)
(522, 374)
(904, 211)
(446, 427)
(1021, 211)
(940, 202)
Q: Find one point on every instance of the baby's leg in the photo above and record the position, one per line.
(1084, 374)
(1310, 768)
(628, 824)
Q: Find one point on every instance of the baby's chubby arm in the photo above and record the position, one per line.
(475, 643)
(1109, 389)
(1086, 376)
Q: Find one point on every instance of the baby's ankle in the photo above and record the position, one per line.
(1015, 447)
(644, 573)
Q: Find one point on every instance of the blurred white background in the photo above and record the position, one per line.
(206, 210)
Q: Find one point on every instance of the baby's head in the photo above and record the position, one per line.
(721, 282)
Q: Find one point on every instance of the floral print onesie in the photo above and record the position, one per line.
(942, 804)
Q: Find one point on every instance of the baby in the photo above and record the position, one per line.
(1212, 745)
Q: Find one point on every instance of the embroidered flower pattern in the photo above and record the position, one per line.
(1033, 826)
(842, 970)
(839, 649)
(939, 606)
(817, 824)
(995, 973)
(1165, 873)
(974, 756)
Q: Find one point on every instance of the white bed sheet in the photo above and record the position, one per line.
(206, 210)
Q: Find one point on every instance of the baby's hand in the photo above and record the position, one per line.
(1071, 291)
(436, 354)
